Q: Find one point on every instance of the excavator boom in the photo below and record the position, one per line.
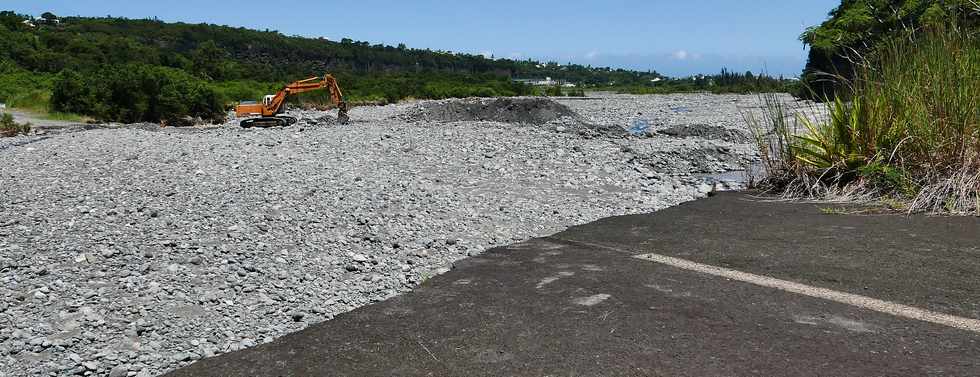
(271, 107)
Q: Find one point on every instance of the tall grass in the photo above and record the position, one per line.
(906, 128)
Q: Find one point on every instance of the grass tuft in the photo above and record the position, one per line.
(8, 127)
(905, 131)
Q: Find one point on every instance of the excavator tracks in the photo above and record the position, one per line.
(266, 122)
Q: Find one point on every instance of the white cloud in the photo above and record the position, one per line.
(592, 54)
(487, 54)
(685, 55)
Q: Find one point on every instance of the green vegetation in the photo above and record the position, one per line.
(127, 70)
(146, 70)
(724, 82)
(857, 28)
(905, 129)
(133, 93)
(8, 127)
(554, 91)
(24, 89)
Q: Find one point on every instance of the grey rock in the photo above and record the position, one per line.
(119, 371)
(91, 365)
(171, 236)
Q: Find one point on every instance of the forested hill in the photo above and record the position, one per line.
(128, 70)
(147, 70)
(227, 53)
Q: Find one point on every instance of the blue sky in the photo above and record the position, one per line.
(672, 37)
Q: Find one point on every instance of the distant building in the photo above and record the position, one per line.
(28, 23)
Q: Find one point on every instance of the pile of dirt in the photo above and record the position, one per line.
(692, 159)
(524, 110)
(708, 131)
(514, 110)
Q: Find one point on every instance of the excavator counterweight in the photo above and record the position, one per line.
(269, 112)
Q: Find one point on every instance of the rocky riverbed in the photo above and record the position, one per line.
(133, 250)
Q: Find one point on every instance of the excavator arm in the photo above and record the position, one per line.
(270, 108)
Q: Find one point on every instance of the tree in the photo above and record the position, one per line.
(208, 59)
(10, 20)
(858, 26)
(72, 94)
(49, 18)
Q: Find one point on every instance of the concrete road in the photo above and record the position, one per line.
(726, 286)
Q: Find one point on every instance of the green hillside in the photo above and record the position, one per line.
(132, 70)
(127, 70)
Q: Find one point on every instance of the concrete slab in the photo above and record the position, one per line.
(580, 304)
(928, 262)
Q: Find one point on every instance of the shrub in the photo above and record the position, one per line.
(72, 94)
(554, 91)
(908, 127)
(248, 90)
(486, 92)
(8, 127)
(861, 27)
(137, 93)
(24, 89)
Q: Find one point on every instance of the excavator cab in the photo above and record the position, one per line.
(269, 112)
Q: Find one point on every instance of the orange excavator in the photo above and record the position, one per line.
(269, 112)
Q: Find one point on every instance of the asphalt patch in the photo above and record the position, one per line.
(558, 306)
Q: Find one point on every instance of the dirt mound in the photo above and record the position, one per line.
(708, 131)
(696, 159)
(506, 110)
(513, 110)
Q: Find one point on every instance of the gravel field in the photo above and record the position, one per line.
(134, 250)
